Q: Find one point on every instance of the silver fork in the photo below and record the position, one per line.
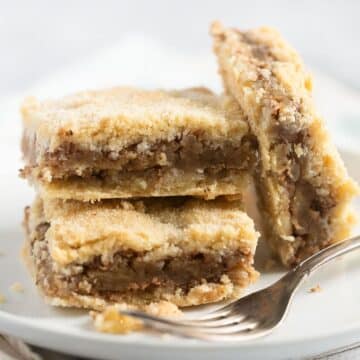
(254, 315)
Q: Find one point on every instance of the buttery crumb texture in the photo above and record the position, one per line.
(181, 250)
(303, 186)
(126, 142)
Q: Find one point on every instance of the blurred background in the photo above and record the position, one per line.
(39, 37)
(53, 48)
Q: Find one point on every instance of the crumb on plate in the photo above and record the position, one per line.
(112, 321)
(17, 287)
(315, 289)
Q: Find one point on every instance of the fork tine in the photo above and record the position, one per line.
(241, 336)
(228, 329)
(217, 321)
(220, 312)
(228, 308)
(213, 315)
(201, 325)
(239, 333)
(160, 320)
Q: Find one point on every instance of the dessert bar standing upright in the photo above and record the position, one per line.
(302, 183)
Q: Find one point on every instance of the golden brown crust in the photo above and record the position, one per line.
(111, 119)
(303, 185)
(151, 183)
(79, 231)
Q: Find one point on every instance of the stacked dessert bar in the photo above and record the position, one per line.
(116, 219)
(140, 194)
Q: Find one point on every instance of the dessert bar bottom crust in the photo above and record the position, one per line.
(140, 277)
(151, 183)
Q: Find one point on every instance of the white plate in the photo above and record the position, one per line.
(317, 322)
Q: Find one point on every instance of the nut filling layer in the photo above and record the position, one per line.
(188, 165)
(309, 206)
(187, 153)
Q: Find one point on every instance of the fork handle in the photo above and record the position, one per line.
(308, 266)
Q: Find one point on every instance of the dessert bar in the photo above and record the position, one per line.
(182, 250)
(126, 142)
(303, 186)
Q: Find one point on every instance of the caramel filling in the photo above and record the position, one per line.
(188, 153)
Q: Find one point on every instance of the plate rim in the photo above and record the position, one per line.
(28, 323)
